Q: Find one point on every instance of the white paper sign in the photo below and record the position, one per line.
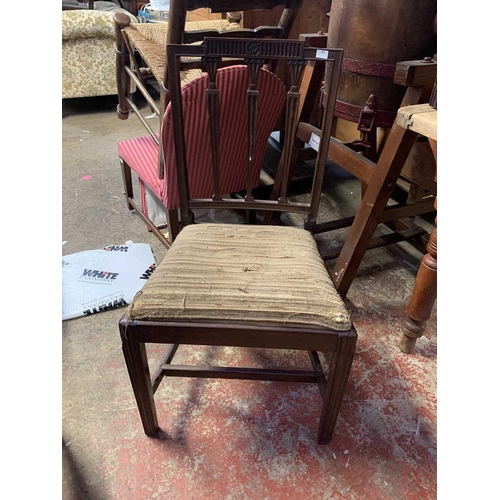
(322, 54)
(103, 279)
(314, 141)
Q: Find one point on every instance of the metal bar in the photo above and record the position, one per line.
(143, 90)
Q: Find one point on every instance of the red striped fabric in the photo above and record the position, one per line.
(142, 154)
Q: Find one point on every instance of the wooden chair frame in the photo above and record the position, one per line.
(379, 178)
(129, 68)
(136, 333)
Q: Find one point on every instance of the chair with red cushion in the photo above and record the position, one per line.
(140, 47)
(141, 155)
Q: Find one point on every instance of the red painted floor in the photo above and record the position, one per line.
(236, 440)
(256, 440)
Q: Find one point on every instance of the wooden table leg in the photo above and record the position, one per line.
(424, 290)
(423, 297)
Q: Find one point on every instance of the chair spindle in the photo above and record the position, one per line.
(291, 119)
(254, 66)
(213, 94)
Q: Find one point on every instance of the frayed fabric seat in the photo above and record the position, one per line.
(234, 273)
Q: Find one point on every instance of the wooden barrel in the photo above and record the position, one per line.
(375, 35)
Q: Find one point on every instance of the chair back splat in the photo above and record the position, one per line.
(255, 54)
(242, 285)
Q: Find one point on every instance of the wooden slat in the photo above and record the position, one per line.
(316, 364)
(242, 204)
(380, 241)
(240, 373)
(391, 213)
(351, 161)
(260, 32)
(286, 336)
(421, 118)
(236, 5)
(167, 359)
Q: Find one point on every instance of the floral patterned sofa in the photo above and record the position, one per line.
(88, 51)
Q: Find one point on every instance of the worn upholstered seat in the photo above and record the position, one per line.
(242, 273)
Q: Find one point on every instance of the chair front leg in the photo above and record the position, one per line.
(340, 367)
(140, 378)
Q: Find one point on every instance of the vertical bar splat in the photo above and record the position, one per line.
(291, 121)
(333, 68)
(173, 62)
(213, 94)
(254, 66)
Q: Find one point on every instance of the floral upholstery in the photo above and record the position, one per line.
(88, 51)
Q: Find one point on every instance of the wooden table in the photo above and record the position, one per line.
(421, 119)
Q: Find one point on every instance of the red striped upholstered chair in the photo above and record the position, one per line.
(242, 285)
(141, 155)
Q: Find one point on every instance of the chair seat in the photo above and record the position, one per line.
(266, 275)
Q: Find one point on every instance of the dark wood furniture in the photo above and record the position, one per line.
(419, 78)
(312, 16)
(148, 42)
(246, 285)
(421, 119)
(380, 177)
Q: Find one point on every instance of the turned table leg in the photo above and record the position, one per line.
(422, 300)
(424, 290)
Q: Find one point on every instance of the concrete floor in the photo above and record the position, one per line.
(236, 439)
